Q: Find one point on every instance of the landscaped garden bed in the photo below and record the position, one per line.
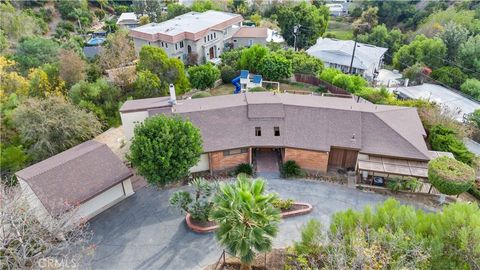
(295, 209)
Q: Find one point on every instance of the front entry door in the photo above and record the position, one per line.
(212, 53)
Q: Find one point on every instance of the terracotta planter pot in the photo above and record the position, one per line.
(196, 228)
(306, 208)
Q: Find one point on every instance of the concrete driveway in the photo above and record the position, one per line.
(144, 232)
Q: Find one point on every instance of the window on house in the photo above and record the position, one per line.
(176, 48)
(258, 131)
(204, 39)
(214, 35)
(181, 44)
(234, 40)
(166, 45)
(276, 131)
(235, 151)
(208, 38)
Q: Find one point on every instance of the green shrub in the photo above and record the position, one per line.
(199, 207)
(344, 81)
(398, 184)
(328, 74)
(311, 240)
(291, 169)
(471, 87)
(283, 204)
(245, 168)
(228, 73)
(396, 236)
(165, 148)
(394, 184)
(201, 94)
(321, 89)
(449, 176)
(451, 76)
(258, 89)
(204, 76)
(475, 192)
(445, 139)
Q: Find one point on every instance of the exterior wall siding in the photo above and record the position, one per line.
(220, 162)
(130, 119)
(307, 159)
(245, 42)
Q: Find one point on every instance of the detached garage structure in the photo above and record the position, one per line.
(86, 179)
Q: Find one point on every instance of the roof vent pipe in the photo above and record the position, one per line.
(173, 97)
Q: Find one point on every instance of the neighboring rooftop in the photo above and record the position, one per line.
(75, 175)
(455, 102)
(187, 26)
(251, 32)
(305, 121)
(127, 16)
(340, 52)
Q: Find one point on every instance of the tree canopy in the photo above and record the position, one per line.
(275, 67)
(425, 50)
(203, 76)
(310, 21)
(169, 70)
(251, 57)
(63, 126)
(100, 97)
(165, 148)
(35, 51)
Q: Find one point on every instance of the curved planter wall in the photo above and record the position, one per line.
(308, 208)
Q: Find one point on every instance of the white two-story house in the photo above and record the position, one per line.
(206, 34)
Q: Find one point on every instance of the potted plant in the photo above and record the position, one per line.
(196, 206)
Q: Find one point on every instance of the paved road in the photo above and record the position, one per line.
(144, 232)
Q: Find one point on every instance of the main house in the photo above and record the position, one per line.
(206, 34)
(337, 54)
(319, 133)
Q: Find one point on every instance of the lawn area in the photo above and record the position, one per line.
(227, 89)
(223, 89)
(341, 30)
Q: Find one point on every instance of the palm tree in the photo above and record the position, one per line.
(247, 220)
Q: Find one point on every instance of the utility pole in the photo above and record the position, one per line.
(295, 29)
(356, 31)
(353, 55)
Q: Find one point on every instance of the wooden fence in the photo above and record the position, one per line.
(313, 80)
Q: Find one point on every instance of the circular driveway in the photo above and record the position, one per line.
(145, 232)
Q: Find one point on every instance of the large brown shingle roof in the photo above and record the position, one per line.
(75, 175)
(305, 121)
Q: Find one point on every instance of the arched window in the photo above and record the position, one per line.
(189, 49)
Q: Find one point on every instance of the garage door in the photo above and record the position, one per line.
(100, 202)
(202, 165)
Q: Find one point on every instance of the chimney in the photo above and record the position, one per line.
(173, 98)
